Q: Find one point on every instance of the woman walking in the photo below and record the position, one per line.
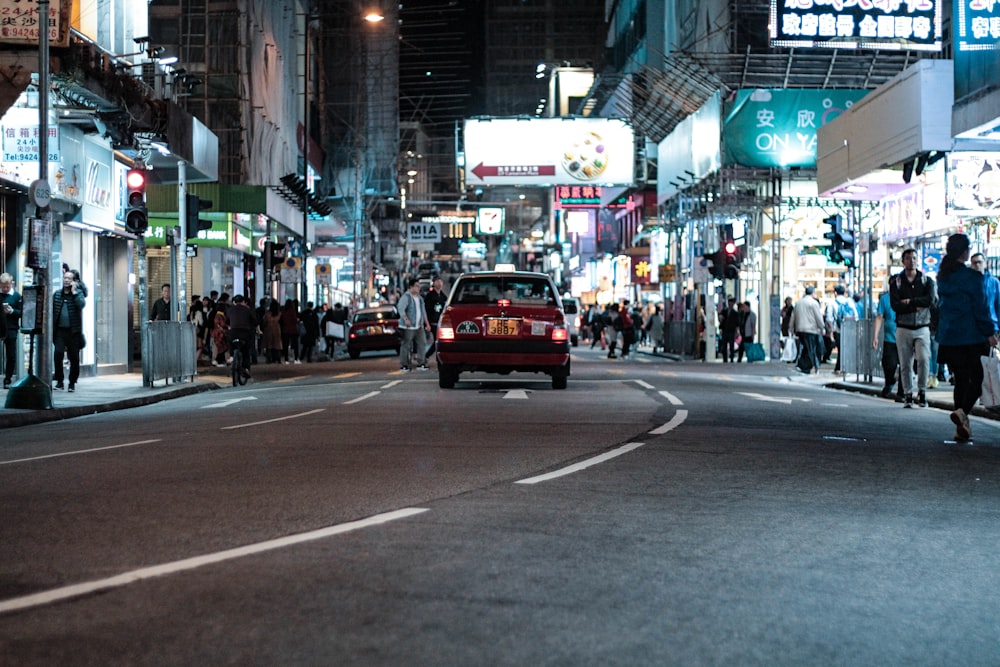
(966, 330)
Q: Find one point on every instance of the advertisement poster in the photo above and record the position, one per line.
(777, 127)
(549, 151)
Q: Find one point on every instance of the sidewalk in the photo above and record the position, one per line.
(104, 393)
(939, 397)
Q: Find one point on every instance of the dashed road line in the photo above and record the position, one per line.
(370, 394)
(81, 451)
(676, 421)
(126, 578)
(576, 467)
(269, 421)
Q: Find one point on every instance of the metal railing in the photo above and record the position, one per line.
(169, 352)
(857, 356)
(680, 337)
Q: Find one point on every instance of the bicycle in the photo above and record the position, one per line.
(240, 363)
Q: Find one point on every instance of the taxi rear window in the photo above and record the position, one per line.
(526, 291)
(376, 316)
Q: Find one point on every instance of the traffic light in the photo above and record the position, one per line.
(841, 241)
(716, 264)
(136, 215)
(194, 224)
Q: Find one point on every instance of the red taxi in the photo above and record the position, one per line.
(373, 329)
(500, 322)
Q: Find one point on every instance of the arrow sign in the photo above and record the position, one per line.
(482, 171)
(226, 404)
(773, 399)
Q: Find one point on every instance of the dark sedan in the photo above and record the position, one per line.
(373, 329)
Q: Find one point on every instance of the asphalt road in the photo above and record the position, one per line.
(653, 513)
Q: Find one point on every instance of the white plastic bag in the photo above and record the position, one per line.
(990, 397)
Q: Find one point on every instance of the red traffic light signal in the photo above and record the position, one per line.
(136, 215)
(730, 248)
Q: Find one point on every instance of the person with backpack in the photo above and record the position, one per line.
(913, 296)
(841, 309)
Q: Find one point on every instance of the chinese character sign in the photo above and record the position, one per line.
(21, 143)
(978, 25)
(777, 128)
(857, 24)
(21, 22)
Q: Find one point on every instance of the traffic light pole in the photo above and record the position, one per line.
(34, 392)
(180, 298)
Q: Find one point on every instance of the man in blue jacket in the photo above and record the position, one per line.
(992, 285)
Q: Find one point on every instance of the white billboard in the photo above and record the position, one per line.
(549, 151)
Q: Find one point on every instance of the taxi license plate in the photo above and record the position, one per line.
(501, 327)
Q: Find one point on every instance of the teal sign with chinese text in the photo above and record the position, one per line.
(777, 128)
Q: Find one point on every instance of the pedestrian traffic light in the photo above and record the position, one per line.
(846, 248)
(136, 215)
(841, 241)
(194, 224)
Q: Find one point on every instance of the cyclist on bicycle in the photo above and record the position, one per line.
(242, 326)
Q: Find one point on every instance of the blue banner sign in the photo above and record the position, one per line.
(978, 25)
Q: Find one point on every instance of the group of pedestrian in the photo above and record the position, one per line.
(737, 330)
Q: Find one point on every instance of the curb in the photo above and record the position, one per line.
(30, 417)
(978, 411)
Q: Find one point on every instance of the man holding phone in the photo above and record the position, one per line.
(67, 328)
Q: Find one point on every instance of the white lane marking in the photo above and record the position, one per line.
(269, 421)
(362, 398)
(670, 397)
(576, 467)
(643, 384)
(392, 384)
(676, 421)
(226, 404)
(773, 399)
(82, 451)
(117, 581)
(516, 393)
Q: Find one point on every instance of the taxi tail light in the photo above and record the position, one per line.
(559, 333)
(445, 330)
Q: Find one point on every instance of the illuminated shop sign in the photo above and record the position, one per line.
(857, 24)
(777, 128)
(489, 220)
(973, 184)
(585, 195)
(978, 25)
